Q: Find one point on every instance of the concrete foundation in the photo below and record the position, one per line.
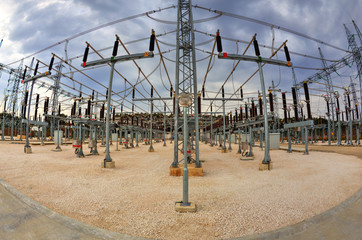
(263, 167)
(183, 209)
(108, 164)
(57, 150)
(193, 170)
(27, 150)
(224, 150)
(246, 158)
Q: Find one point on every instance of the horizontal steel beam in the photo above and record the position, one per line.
(252, 59)
(38, 123)
(37, 77)
(222, 99)
(118, 59)
(151, 99)
(308, 123)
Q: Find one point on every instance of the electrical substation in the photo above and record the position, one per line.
(139, 139)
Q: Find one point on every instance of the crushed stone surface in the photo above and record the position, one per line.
(138, 197)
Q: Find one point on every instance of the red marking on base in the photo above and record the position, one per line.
(224, 54)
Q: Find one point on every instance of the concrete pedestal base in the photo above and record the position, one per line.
(57, 150)
(151, 149)
(224, 150)
(27, 150)
(108, 164)
(263, 167)
(183, 209)
(246, 158)
(193, 170)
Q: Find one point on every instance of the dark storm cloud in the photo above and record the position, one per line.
(41, 27)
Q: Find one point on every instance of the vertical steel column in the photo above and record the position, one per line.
(266, 159)
(164, 126)
(211, 132)
(250, 143)
(289, 142)
(58, 147)
(151, 119)
(185, 197)
(117, 132)
(306, 141)
(108, 116)
(223, 125)
(239, 150)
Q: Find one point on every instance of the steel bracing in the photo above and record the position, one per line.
(185, 79)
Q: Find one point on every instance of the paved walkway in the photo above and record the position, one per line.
(23, 218)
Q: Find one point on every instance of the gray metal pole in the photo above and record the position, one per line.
(289, 142)
(229, 148)
(266, 159)
(42, 135)
(12, 127)
(137, 138)
(306, 141)
(27, 145)
(223, 126)
(357, 133)
(58, 147)
(164, 127)
(329, 129)
(108, 156)
(250, 143)
(117, 130)
(350, 127)
(339, 139)
(185, 196)
(211, 136)
(151, 147)
(239, 150)
(3, 128)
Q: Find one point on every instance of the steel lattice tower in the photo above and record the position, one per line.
(56, 87)
(330, 91)
(185, 79)
(13, 88)
(356, 54)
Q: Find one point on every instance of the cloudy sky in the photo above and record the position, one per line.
(28, 26)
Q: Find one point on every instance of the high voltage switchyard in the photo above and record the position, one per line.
(81, 105)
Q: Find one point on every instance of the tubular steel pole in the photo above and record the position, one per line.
(289, 142)
(164, 127)
(211, 136)
(223, 126)
(27, 145)
(58, 147)
(108, 157)
(306, 141)
(350, 127)
(266, 159)
(329, 130)
(151, 121)
(250, 142)
(185, 197)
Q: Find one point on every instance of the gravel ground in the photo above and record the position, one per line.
(138, 196)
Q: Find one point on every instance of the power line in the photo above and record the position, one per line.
(270, 25)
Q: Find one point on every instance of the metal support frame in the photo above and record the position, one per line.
(185, 78)
(113, 61)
